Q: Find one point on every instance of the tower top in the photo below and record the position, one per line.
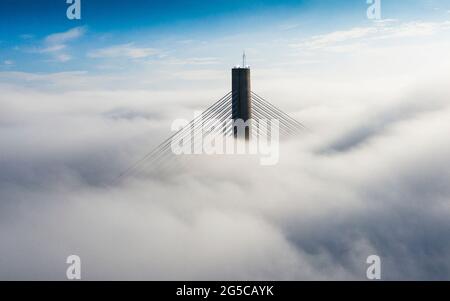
(244, 62)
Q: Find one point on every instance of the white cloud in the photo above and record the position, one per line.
(67, 36)
(50, 48)
(56, 44)
(123, 50)
(289, 26)
(412, 29)
(384, 29)
(63, 57)
(325, 40)
(193, 61)
(8, 62)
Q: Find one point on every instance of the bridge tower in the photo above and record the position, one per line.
(241, 96)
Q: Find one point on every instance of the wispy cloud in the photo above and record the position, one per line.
(413, 29)
(123, 50)
(51, 48)
(288, 26)
(67, 36)
(56, 44)
(63, 57)
(332, 38)
(194, 61)
(384, 29)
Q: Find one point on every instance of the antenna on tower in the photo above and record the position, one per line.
(243, 59)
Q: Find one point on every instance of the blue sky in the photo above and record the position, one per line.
(25, 26)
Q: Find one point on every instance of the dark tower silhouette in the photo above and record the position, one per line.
(241, 96)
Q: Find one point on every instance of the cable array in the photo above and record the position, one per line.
(218, 120)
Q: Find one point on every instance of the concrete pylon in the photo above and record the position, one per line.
(241, 98)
